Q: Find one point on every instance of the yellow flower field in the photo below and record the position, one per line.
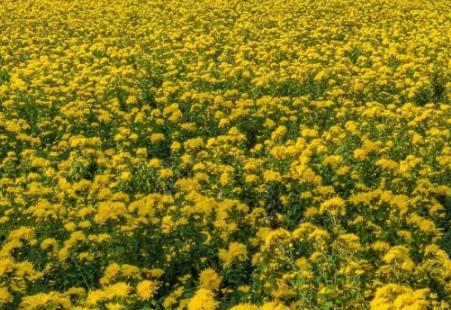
(225, 154)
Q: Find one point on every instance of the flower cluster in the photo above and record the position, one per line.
(225, 154)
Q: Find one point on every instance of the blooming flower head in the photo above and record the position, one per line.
(146, 289)
(203, 299)
(209, 279)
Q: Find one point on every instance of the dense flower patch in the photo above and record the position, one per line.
(219, 154)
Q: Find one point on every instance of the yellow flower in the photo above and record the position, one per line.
(175, 146)
(146, 289)
(120, 289)
(166, 173)
(244, 307)
(48, 243)
(203, 299)
(236, 251)
(333, 160)
(295, 148)
(251, 178)
(114, 306)
(167, 224)
(360, 154)
(279, 132)
(156, 137)
(350, 242)
(224, 179)
(244, 288)
(387, 164)
(131, 100)
(273, 306)
(125, 176)
(209, 279)
(5, 296)
(154, 163)
(334, 206)
(398, 297)
(272, 176)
